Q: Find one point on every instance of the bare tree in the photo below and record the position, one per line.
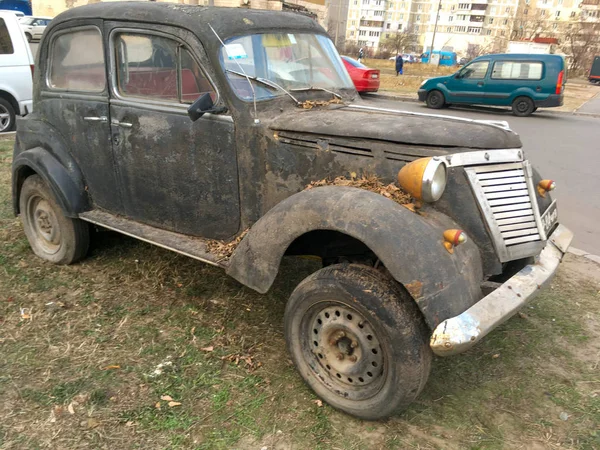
(396, 42)
(527, 24)
(581, 42)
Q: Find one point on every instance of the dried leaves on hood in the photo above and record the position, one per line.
(225, 249)
(368, 183)
(310, 104)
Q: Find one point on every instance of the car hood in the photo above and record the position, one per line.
(401, 127)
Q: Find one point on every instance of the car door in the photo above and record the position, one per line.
(174, 173)
(468, 84)
(74, 101)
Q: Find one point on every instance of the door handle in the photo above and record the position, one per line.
(121, 124)
(480, 84)
(103, 119)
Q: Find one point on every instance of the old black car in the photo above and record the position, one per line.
(187, 126)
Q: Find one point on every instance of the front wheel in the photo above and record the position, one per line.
(52, 236)
(435, 100)
(523, 106)
(358, 340)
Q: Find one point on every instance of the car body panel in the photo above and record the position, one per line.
(362, 76)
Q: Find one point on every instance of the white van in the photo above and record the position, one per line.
(16, 69)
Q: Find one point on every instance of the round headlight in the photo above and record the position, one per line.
(425, 179)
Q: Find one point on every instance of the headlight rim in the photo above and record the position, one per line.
(429, 173)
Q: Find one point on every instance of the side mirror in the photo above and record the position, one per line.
(200, 107)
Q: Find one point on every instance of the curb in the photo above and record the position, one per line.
(578, 252)
(403, 98)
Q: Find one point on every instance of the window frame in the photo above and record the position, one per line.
(50, 60)
(542, 73)
(476, 62)
(114, 82)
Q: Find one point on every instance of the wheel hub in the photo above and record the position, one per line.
(346, 350)
(44, 224)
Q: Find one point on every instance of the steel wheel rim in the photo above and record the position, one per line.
(4, 118)
(434, 99)
(343, 350)
(44, 224)
(522, 106)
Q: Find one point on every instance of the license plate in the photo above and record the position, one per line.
(549, 218)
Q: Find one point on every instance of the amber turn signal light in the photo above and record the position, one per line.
(452, 238)
(545, 186)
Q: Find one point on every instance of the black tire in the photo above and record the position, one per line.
(29, 37)
(534, 109)
(7, 116)
(435, 100)
(358, 340)
(522, 106)
(51, 235)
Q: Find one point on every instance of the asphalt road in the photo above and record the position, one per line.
(563, 147)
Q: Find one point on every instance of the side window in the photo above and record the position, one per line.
(156, 67)
(514, 70)
(77, 61)
(475, 70)
(6, 46)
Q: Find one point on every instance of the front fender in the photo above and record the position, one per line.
(69, 193)
(408, 244)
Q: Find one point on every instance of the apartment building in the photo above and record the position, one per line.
(468, 27)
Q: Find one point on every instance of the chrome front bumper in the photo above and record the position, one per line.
(460, 333)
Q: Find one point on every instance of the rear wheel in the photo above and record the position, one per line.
(435, 100)
(7, 116)
(358, 340)
(52, 236)
(523, 106)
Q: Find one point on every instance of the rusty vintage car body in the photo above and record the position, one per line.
(182, 126)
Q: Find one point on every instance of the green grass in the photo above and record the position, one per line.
(133, 323)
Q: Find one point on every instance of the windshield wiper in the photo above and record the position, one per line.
(264, 82)
(314, 88)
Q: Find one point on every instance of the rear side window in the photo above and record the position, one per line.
(517, 70)
(77, 61)
(6, 46)
(159, 68)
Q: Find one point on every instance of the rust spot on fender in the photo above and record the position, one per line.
(415, 289)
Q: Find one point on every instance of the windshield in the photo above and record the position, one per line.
(292, 60)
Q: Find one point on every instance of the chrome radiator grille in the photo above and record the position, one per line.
(508, 202)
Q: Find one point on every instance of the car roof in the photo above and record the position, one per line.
(533, 56)
(227, 22)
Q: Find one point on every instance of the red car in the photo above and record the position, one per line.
(365, 79)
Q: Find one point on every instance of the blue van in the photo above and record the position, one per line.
(446, 58)
(523, 82)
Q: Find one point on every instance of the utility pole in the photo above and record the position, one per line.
(337, 23)
(437, 15)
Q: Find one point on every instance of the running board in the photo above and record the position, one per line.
(191, 246)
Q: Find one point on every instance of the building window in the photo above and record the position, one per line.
(502, 33)
(491, 20)
(526, 11)
(452, 8)
(507, 10)
(388, 26)
(419, 7)
(573, 14)
(554, 26)
(401, 16)
(378, 13)
(416, 28)
(488, 32)
(505, 22)
(450, 18)
(557, 14)
(460, 29)
(543, 13)
(418, 18)
(362, 33)
(353, 22)
(355, 2)
(474, 30)
(352, 33)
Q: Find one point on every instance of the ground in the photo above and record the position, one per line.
(137, 347)
(577, 91)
